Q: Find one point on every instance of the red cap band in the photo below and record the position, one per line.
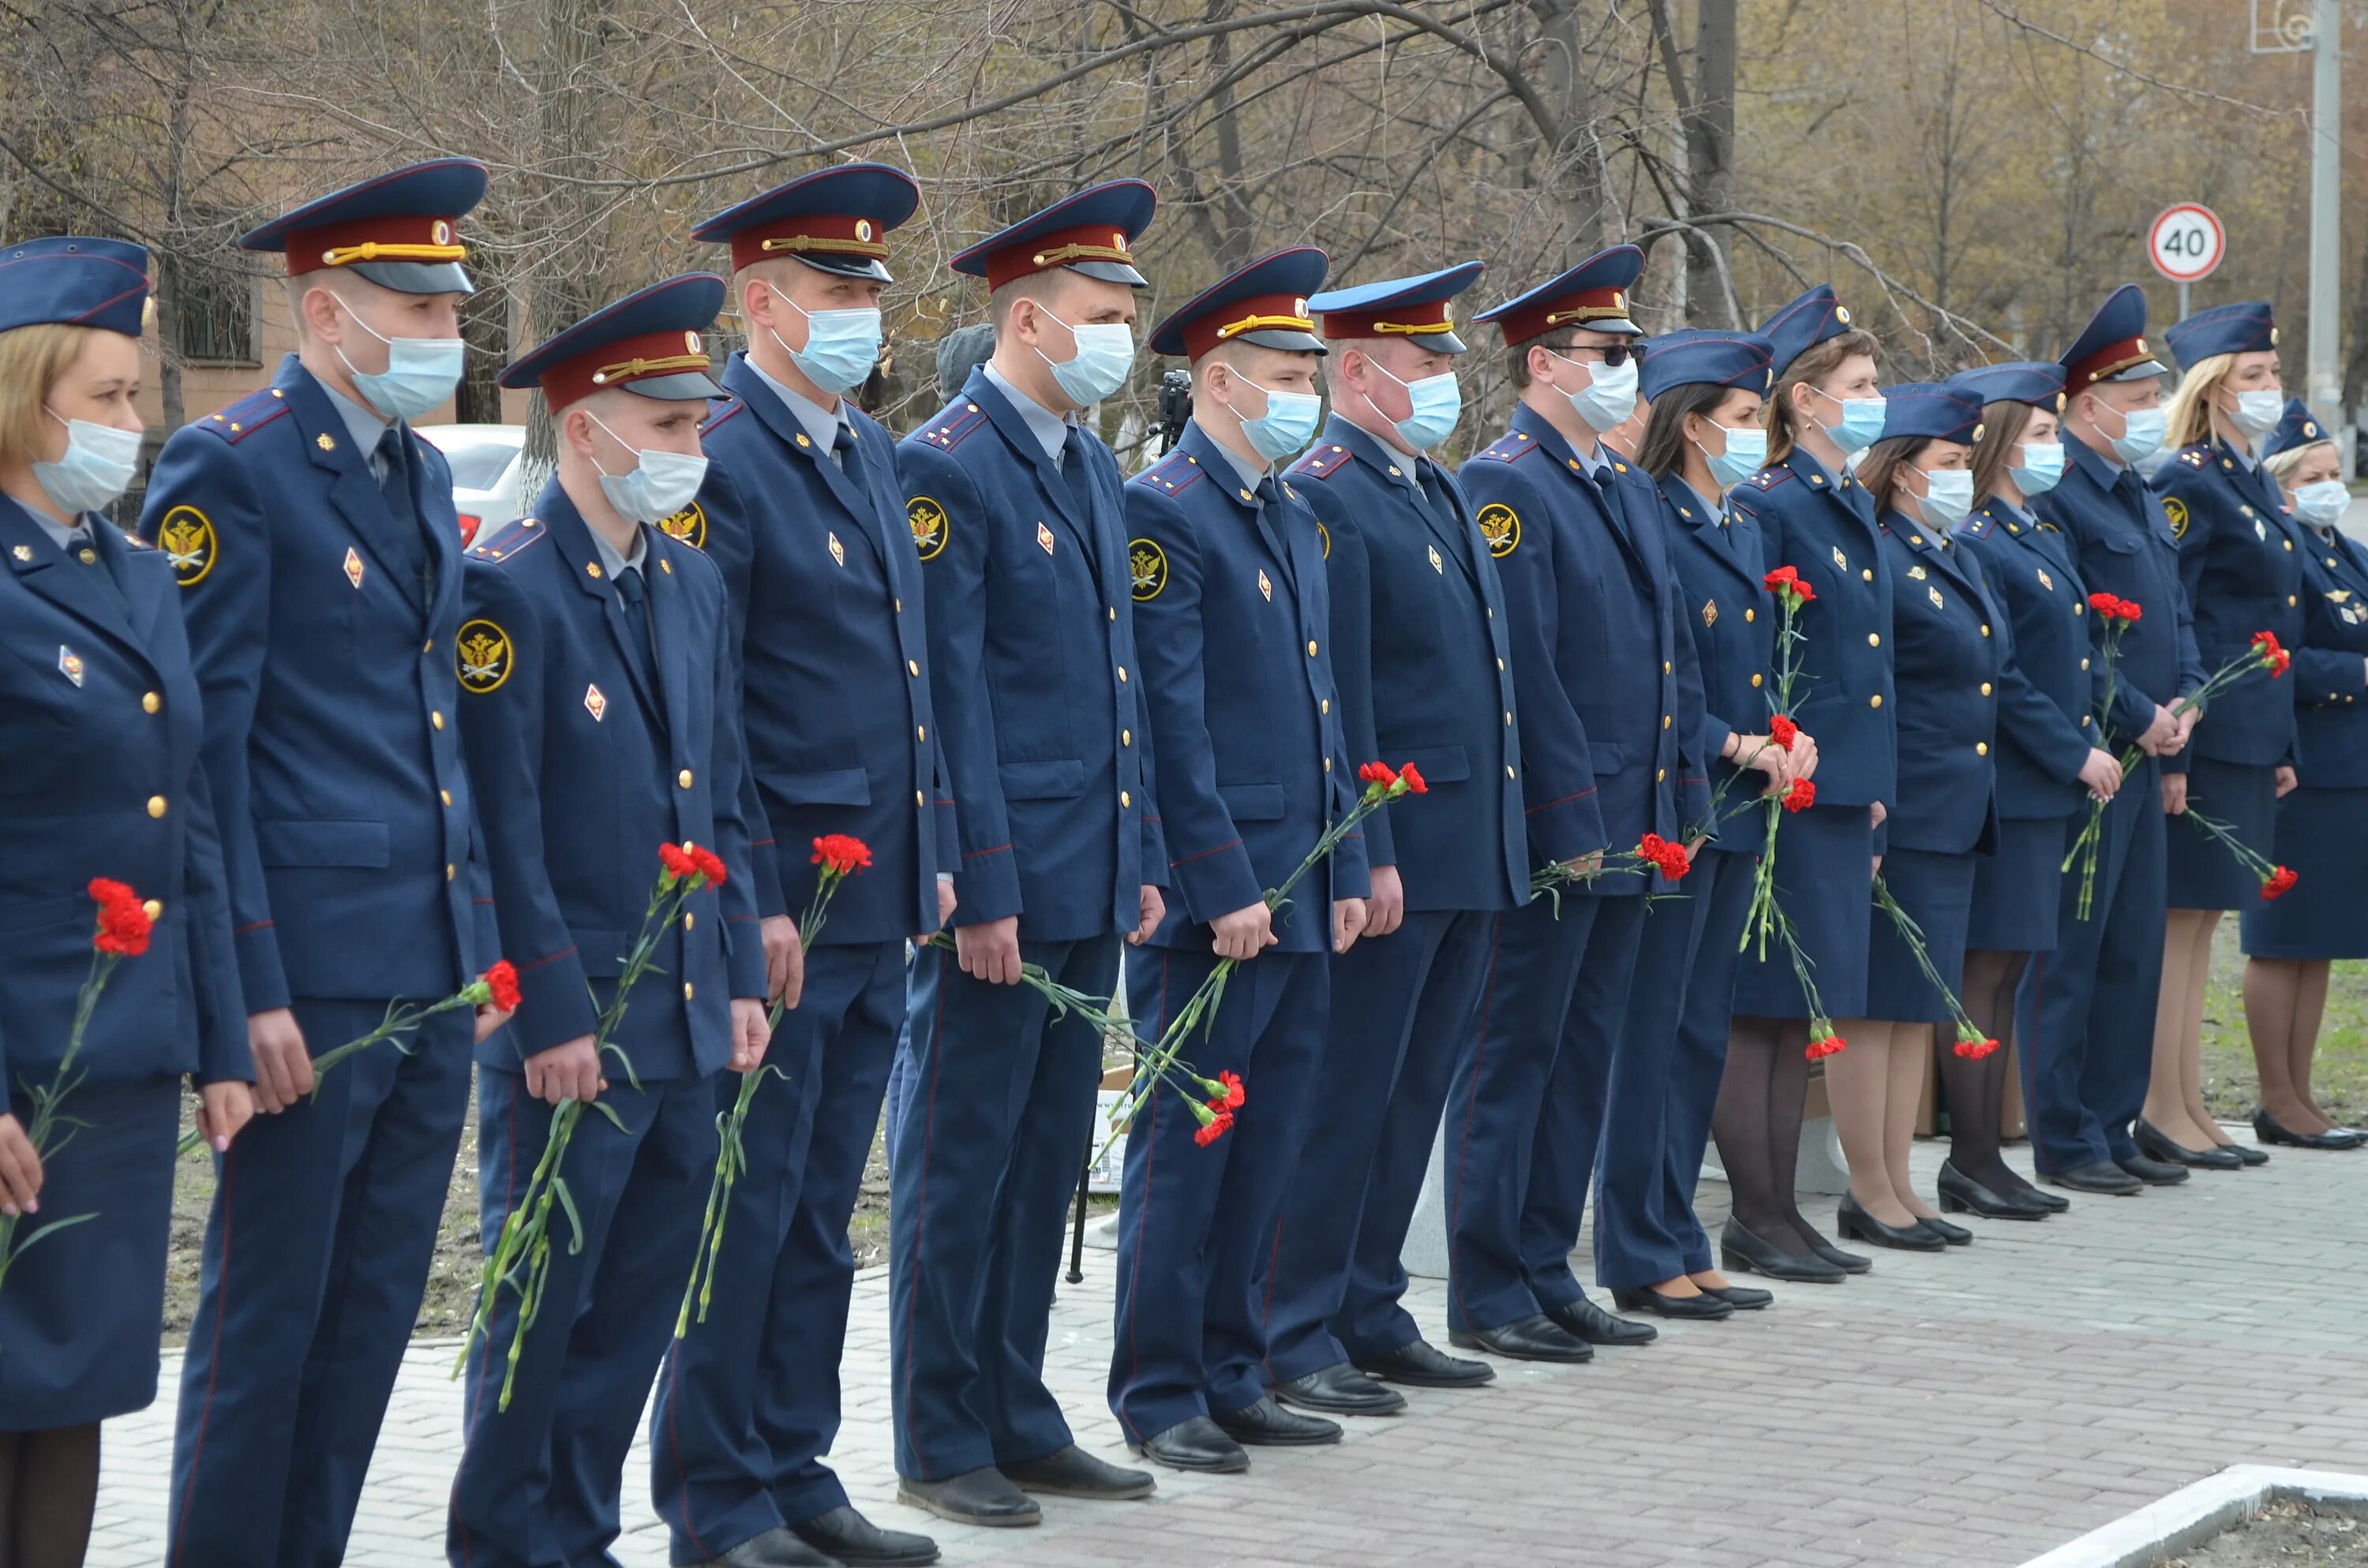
(374, 239)
(2112, 359)
(621, 363)
(1264, 312)
(1575, 308)
(811, 234)
(1092, 242)
(1417, 322)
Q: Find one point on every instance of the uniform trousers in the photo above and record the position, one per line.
(2084, 1014)
(1401, 1007)
(986, 1160)
(749, 1400)
(1195, 1223)
(540, 1482)
(316, 1254)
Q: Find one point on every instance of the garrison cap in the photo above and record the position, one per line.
(2245, 328)
(2298, 427)
(1799, 326)
(1264, 303)
(1091, 233)
(1694, 357)
(649, 342)
(835, 220)
(2112, 347)
(2039, 382)
(1413, 308)
(75, 281)
(396, 230)
(1592, 295)
(1932, 411)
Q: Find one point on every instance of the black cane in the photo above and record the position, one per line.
(1077, 1233)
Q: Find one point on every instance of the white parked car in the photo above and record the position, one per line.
(485, 464)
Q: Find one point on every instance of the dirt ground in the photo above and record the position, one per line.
(2286, 1535)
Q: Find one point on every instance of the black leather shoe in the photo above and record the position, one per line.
(1340, 1390)
(2270, 1130)
(774, 1548)
(2154, 1172)
(974, 1497)
(2247, 1155)
(2102, 1176)
(2039, 1197)
(1425, 1366)
(1742, 1297)
(2157, 1144)
(1194, 1443)
(1535, 1338)
(1953, 1236)
(1072, 1473)
(845, 1535)
(1267, 1424)
(1595, 1325)
(1961, 1194)
(1855, 1223)
(1847, 1262)
(1741, 1252)
(1703, 1308)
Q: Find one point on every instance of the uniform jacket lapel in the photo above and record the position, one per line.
(1220, 468)
(669, 624)
(64, 581)
(743, 382)
(344, 470)
(1049, 483)
(572, 536)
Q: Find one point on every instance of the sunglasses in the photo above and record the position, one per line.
(1615, 355)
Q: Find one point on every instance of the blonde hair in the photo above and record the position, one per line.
(2282, 467)
(2002, 429)
(2188, 418)
(1812, 364)
(31, 360)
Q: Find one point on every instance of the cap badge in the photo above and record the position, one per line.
(2142, 347)
(1841, 314)
(442, 232)
(864, 228)
(1118, 242)
(691, 344)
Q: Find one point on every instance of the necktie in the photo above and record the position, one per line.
(395, 488)
(843, 453)
(634, 594)
(1078, 471)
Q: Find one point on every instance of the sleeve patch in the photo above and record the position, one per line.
(1502, 527)
(482, 656)
(1147, 563)
(2176, 510)
(689, 525)
(929, 524)
(186, 536)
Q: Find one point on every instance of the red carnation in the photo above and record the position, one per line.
(1379, 773)
(123, 921)
(1413, 780)
(1233, 1092)
(502, 981)
(1801, 796)
(1783, 731)
(1783, 577)
(2107, 604)
(708, 864)
(2274, 656)
(1974, 1047)
(1830, 1045)
(1217, 1127)
(1669, 858)
(2277, 881)
(1785, 583)
(2130, 610)
(843, 853)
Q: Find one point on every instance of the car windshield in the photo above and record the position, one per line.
(481, 467)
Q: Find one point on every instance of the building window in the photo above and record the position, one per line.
(215, 303)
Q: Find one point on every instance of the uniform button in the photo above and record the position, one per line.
(1324, 706)
(1749, 616)
(899, 604)
(1666, 667)
(916, 798)
(156, 805)
(450, 872)
(920, 731)
(1500, 667)
(1874, 638)
(2084, 720)
(88, 556)
(686, 990)
(1875, 701)
(1113, 611)
(1509, 771)
(1508, 717)
(912, 666)
(1981, 748)
(2289, 547)
(1867, 573)
(683, 779)
(1126, 738)
(1664, 720)
(1122, 675)
(447, 796)
(1986, 689)
(2075, 607)
(1986, 630)
(153, 909)
(1311, 647)
(436, 719)
(2084, 664)
(1492, 612)
(2290, 601)
(1124, 799)
(1755, 680)
(150, 702)
(1327, 765)
(428, 646)
(689, 921)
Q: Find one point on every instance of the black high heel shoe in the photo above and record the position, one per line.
(1856, 1224)
(2270, 1130)
(1741, 1252)
(1961, 1194)
(2157, 1144)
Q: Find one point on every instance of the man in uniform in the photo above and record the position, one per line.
(319, 555)
(802, 510)
(1015, 510)
(601, 719)
(2085, 1012)
(1422, 653)
(1612, 716)
(1230, 590)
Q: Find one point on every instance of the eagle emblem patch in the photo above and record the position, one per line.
(481, 657)
(689, 525)
(186, 536)
(927, 521)
(2176, 510)
(1502, 527)
(1147, 563)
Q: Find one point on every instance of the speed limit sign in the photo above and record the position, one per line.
(2187, 242)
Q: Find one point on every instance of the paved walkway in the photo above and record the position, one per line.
(1970, 1408)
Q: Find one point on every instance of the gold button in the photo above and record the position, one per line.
(2290, 601)
(1985, 628)
(683, 779)
(1749, 616)
(1875, 701)
(689, 920)
(436, 719)
(2084, 664)
(450, 872)
(1986, 689)
(1324, 706)
(899, 604)
(1755, 680)
(1508, 770)
(446, 795)
(918, 800)
(686, 990)
(1508, 718)
(1113, 612)
(1124, 799)
(1492, 612)
(1311, 648)
(2075, 607)
(920, 731)
(1122, 675)
(153, 909)
(1500, 667)
(150, 702)
(1664, 720)
(2289, 547)
(912, 666)
(2084, 720)
(428, 646)
(1126, 738)
(1874, 638)
(1666, 667)
(156, 805)
(88, 556)
(1981, 748)
(1327, 765)
(1867, 573)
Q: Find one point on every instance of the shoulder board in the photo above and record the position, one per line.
(953, 428)
(1769, 478)
(1882, 526)
(1322, 462)
(509, 540)
(1979, 525)
(1510, 446)
(719, 414)
(1177, 470)
(245, 417)
(2195, 456)
(134, 542)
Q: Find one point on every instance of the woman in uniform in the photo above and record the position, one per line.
(1948, 654)
(2241, 560)
(99, 722)
(1702, 437)
(2324, 823)
(2048, 763)
(1813, 517)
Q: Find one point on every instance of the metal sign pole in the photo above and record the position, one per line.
(2182, 302)
(2325, 383)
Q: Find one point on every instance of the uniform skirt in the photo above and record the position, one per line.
(2016, 890)
(1936, 891)
(2203, 873)
(1823, 858)
(81, 1312)
(2323, 835)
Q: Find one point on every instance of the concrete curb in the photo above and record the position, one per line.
(2196, 1513)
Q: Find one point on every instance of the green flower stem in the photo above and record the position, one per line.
(49, 1115)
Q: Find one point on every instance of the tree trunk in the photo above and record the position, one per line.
(1710, 159)
(564, 120)
(1576, 171)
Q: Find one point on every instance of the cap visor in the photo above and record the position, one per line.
(680, 387)
(1111, 272)
(1441, 341)
(2140, 371)
(1288, 341)
(850, 267)
(1614, 324)
(416, 276)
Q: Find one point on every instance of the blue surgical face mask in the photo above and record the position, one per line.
(658, 485)
(841, 346)
(2043, 467)
(1099, 367)
(1948, 496)
(2257, 412)
(1745, 454)
(1860, 425)
(1437, 401)
(420, 373)
(97, 466)
(2142, 433)
(2322, 505)
(1286, 427)
(1610, 396)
